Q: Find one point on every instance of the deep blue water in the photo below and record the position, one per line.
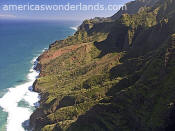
(20, 42)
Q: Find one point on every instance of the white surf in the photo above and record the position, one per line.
(74, 28)
(9, 102)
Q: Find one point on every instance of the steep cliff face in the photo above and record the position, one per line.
(112, 74)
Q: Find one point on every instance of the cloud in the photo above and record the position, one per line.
(7, 16)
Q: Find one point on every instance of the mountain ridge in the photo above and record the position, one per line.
(111, 75)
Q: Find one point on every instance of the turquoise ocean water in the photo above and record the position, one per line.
(20, 42)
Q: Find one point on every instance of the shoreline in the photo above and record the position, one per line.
(24, 94)
(18, 92)
(31, 78)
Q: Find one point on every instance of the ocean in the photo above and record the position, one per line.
(21, 42)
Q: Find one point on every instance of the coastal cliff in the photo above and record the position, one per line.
(113, 74)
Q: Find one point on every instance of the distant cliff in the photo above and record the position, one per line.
(113, 74)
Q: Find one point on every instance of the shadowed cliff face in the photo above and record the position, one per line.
(111, 75)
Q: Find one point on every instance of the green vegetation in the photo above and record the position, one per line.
(113, 74)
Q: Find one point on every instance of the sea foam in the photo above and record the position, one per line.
(9, 102)
(74, 28)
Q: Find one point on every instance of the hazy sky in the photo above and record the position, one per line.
(68, 15)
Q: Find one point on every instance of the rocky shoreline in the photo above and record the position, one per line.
(36, 113)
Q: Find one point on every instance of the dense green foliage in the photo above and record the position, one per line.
(113, 74)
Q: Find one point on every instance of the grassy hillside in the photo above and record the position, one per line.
(112, 74)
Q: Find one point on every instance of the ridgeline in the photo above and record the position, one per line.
(113, 74)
